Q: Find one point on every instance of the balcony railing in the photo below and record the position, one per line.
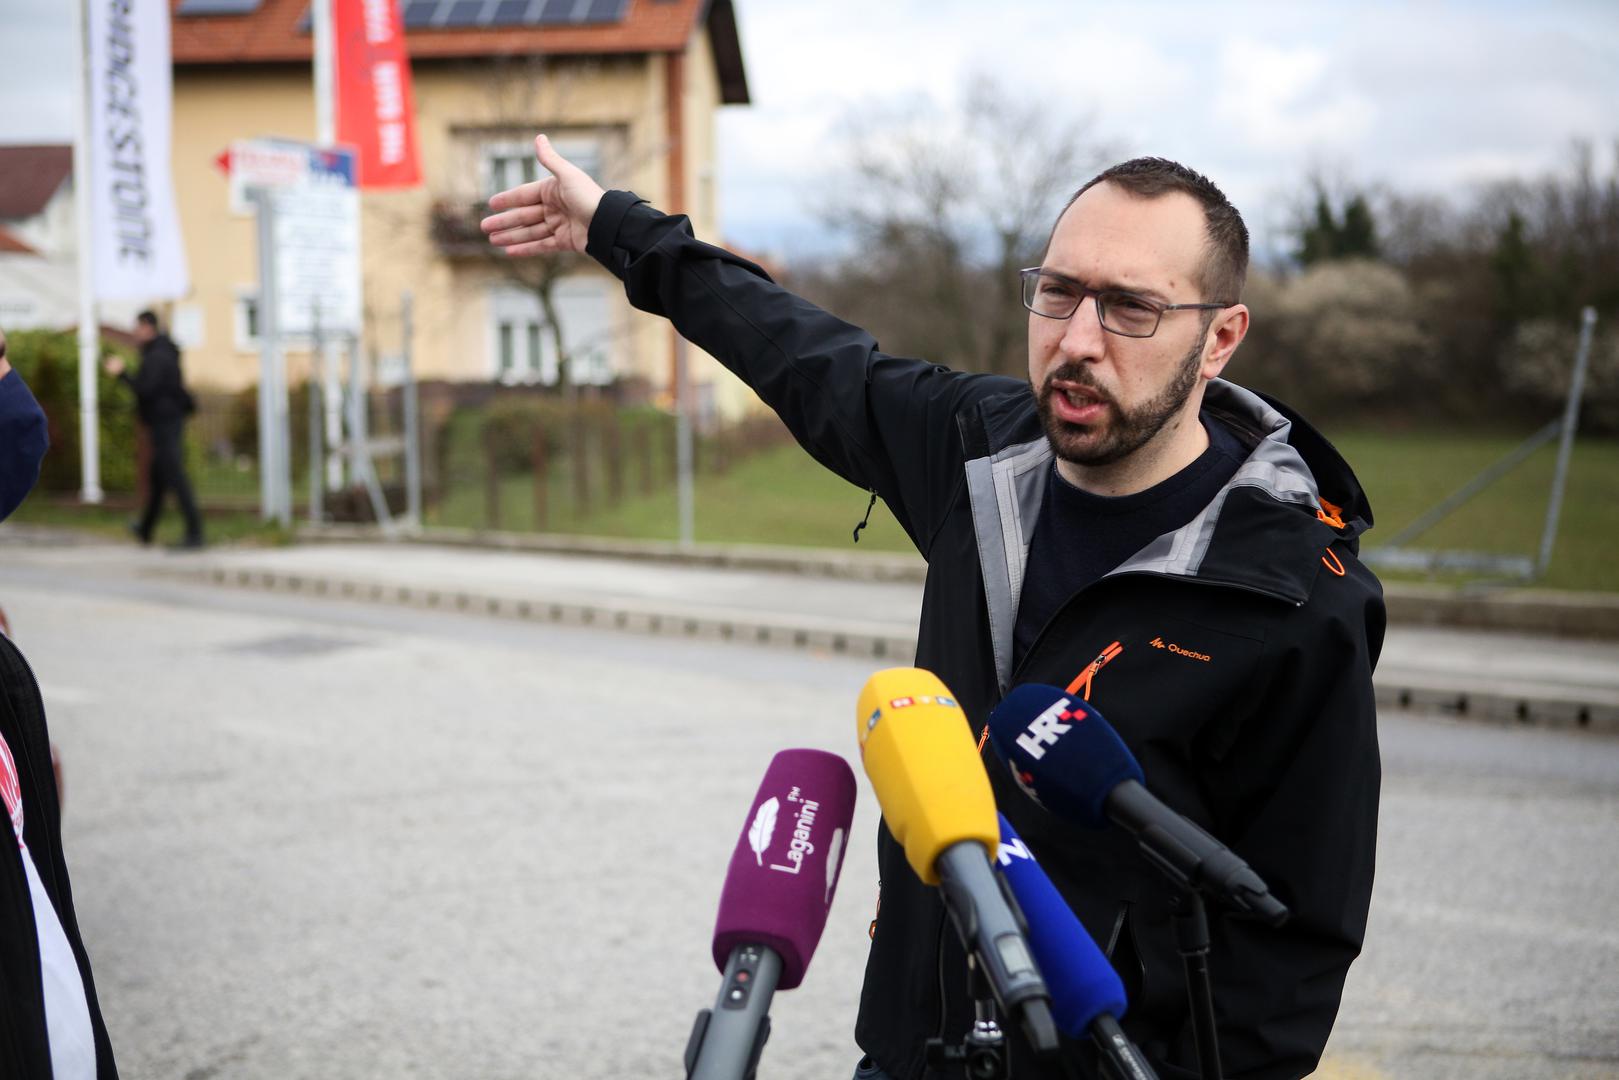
(454, 226)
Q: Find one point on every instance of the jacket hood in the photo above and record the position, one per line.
(1336, 482)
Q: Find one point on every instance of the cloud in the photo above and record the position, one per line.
(1275, 97)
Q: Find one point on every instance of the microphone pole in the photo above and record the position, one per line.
(1192, 938)
(726, 1041)
(773, 906)
(917, 749)
(1066, 757)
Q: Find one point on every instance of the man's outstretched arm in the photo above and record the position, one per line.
(883, 423)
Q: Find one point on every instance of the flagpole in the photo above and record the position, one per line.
(89, 325)
(321, 365)
(320, 12)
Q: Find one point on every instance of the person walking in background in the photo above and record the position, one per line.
(50, 1020)
(162, 403)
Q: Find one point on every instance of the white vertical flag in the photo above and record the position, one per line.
(136, 244)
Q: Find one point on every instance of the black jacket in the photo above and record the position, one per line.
(24, 1045)
(160, 393)
(1270, 744)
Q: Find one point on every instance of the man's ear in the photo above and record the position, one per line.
(1226, 332)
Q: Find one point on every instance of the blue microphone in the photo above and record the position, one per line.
(1087, 997)
(1069, 760)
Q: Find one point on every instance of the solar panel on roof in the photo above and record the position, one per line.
(434, 14)
(463, 13)
(556, 12)
(419, 13)
(510, 13)
(218, 7)
(605, 10)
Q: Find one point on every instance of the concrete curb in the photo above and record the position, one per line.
(818, 562)
(1535, 708)
(1394, 688)
(802, 633)
(1529, 611)
(1523, 611)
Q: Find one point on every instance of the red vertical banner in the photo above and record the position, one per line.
(376, 109)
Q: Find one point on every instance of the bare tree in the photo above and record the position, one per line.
(942, 207)
(522, 95)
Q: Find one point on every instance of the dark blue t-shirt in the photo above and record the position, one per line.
(1081, 536)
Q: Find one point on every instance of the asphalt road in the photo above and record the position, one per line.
(326, 839)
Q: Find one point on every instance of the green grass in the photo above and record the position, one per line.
(1406, 474)
(781, 496)
(231, 527)
(778, 496)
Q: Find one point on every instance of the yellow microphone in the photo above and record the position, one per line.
(918, 751)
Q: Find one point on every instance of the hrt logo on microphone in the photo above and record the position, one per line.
(1017, 849)
(1044, 729)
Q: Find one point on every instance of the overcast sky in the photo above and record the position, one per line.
(1421, 95)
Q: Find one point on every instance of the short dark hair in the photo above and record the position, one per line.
(1225, 260)
(149, 317)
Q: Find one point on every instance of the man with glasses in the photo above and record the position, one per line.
(1177, 550)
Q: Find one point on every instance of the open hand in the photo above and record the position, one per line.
(546, 215)
(113, 364)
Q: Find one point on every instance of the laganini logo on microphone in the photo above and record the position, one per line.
(799, 843)
(763, 827)
(1044, 729)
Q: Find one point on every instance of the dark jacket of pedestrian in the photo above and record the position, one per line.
(1259, 724)
(160, 392)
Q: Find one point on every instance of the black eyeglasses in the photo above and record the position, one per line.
(1119, 312)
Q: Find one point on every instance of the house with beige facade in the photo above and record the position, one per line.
(629, 89)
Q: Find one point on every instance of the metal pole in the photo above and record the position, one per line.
(413, 444)
(359, 441)
(316, 440)
(320, 12)
(1519, 454)
(268, 346)
(283, 441)
(332, 391)
(89, 324)
(683, 456)
(1565, 448)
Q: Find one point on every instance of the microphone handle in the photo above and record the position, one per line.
(1121, 1055)
(1190, 857)
(726, 1041)
(992, 934)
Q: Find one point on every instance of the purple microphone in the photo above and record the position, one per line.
(773, 907)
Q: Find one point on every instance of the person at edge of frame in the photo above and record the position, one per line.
(1127, 524)
(50, 1020)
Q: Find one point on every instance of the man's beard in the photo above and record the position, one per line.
(1124, 432)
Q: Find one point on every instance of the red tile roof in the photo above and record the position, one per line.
(10, 243)
(29, 176)
(271, 34)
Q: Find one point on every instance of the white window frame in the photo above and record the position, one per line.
(533, 362)
(586, 151)
(247, 297)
